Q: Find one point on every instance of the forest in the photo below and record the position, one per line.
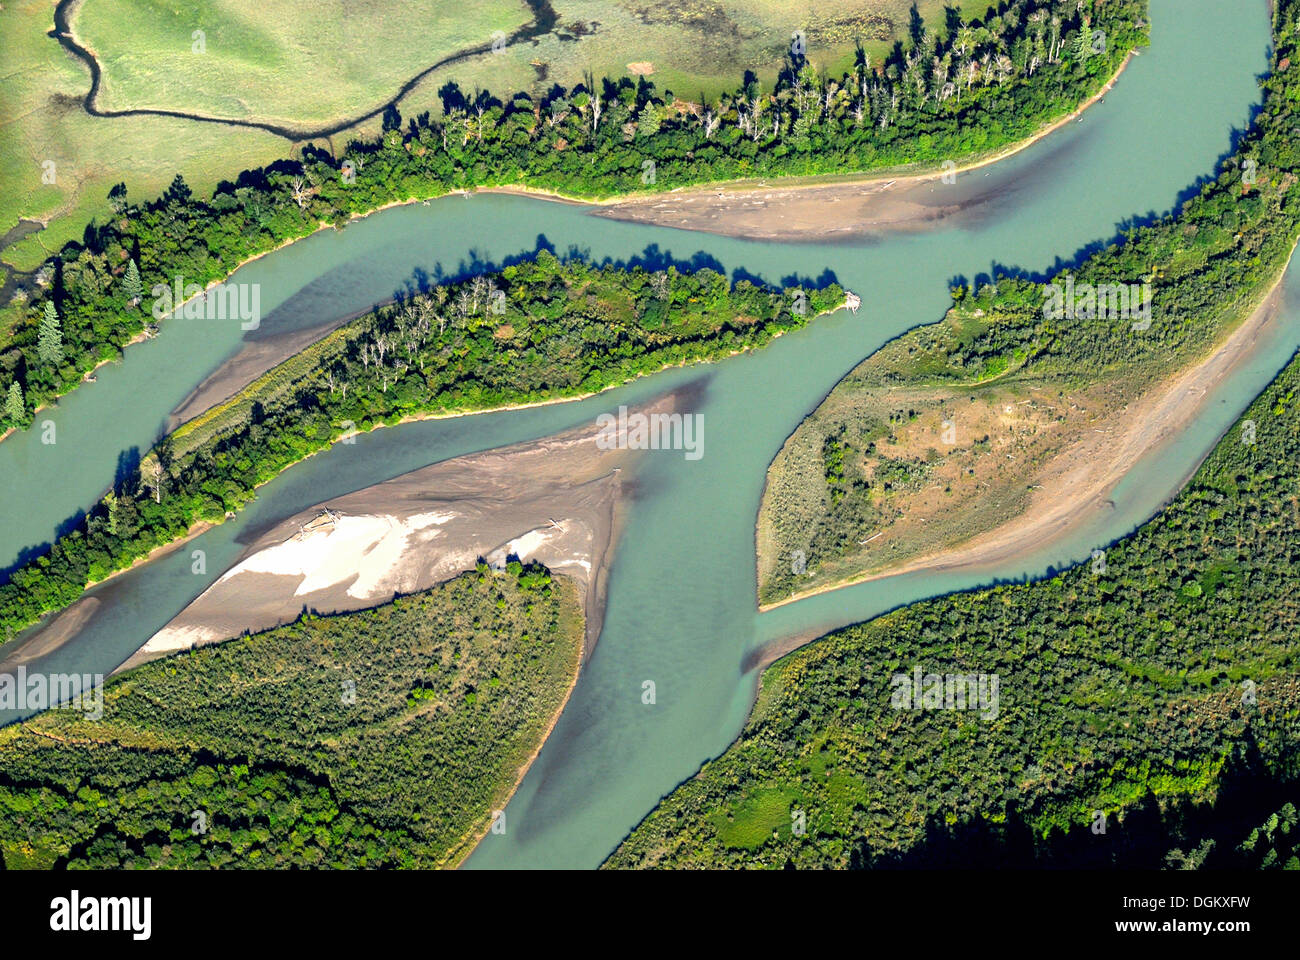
(383, 738)
(969, 91)
(1149, 709)
(1207, 267)
(538, 330)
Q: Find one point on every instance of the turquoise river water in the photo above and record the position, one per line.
(681, 602)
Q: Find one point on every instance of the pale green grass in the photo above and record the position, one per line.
(313, 62)
(41, 119)
(298, 63)
(694, 47)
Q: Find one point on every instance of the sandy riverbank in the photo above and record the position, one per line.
(259, 357)
(555, 500)
(1074, 486)
(64, 625)
(253, 358)
(788, 208)
(826, 208)
(794, 208)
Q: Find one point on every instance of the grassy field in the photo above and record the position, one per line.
(299, 63)
(41, 119)
(694, 46)
(382, 738)
(318, 63)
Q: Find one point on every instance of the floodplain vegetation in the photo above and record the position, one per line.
(946, 432)
(299, 66)
(540, 330)
(1147, 709)
(376, 739)
(1147, 715)
(299, 63)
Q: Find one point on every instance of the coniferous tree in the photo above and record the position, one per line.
(1083, 46)
(131, 285)
(49, 346)
(14, 408)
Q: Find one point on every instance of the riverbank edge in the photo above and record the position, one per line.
(193, 530)
(456, 857)
(1253, 302)
(904, 175)
(749, 184)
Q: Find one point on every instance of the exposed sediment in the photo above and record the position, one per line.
(554, 500)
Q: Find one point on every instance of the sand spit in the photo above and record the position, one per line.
(800, 212)
(61, 629)
(554, 500)
(254, 357)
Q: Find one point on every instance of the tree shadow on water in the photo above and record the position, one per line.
(653, 259)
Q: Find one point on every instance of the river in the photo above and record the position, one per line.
(681, 604)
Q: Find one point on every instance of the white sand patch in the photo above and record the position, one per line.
(422, 520)
(376, 570)
(312, 554)
(367, 547)
(553, 546)
(170, 639)
(524, 547)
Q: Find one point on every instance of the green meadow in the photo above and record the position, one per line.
(304, 64)
(313, 64)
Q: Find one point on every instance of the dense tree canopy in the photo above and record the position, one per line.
(1136, 692)
(538, 330)
(1199, 273)
(383, 738)
(1131, 695)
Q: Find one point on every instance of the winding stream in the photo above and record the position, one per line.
(543, 22)
(681, 602)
